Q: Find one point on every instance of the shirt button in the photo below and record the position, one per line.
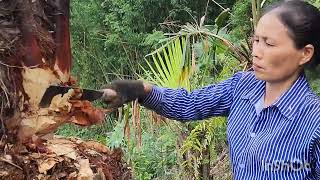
(241, 165)
(253, 135)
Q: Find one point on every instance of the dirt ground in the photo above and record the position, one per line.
(62, 158)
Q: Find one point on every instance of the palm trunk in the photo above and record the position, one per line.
(35, 53)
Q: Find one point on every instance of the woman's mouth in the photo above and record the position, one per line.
(256, 67)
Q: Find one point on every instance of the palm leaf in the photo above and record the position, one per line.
(169, 64)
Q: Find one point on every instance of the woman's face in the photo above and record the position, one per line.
(275, 57)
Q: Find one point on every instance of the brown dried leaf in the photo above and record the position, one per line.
(45, 165)
(35, 155)
(41, 176)
(49, 136)
(60, 140)
(72, 175)
(85, 114)
(4, 173)
(96, 146)
(63, 150)
(100, 175)
(85, 172)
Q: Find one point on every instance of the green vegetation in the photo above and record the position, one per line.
(174, 44)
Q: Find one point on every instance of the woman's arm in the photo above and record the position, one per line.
(203, 103)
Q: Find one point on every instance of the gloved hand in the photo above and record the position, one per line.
(123, 91)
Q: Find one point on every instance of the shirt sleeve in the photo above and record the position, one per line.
(179, 104)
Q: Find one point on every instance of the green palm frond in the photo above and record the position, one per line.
(170, 64)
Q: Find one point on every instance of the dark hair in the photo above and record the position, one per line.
(303, 22)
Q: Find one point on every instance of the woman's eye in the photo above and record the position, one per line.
(269, 44)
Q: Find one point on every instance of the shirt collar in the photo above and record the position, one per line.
(254, 92)
(289, 102)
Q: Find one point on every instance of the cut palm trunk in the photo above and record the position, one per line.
(35, 53)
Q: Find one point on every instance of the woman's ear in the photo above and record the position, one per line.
(307, 53)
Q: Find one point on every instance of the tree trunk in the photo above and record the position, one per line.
(35, 53)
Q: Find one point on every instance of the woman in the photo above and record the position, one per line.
(273, 115)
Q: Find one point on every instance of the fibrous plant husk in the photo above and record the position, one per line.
(34, 54)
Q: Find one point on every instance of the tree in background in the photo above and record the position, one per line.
(111, 37)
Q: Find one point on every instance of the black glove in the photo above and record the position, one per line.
(123, 91)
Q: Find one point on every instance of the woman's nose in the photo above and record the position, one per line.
(257, 50)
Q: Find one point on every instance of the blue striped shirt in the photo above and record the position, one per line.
(281, 141)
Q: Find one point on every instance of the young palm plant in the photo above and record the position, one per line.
(170, 64)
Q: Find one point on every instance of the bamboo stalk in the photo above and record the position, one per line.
(258, 10)
(254, 13)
